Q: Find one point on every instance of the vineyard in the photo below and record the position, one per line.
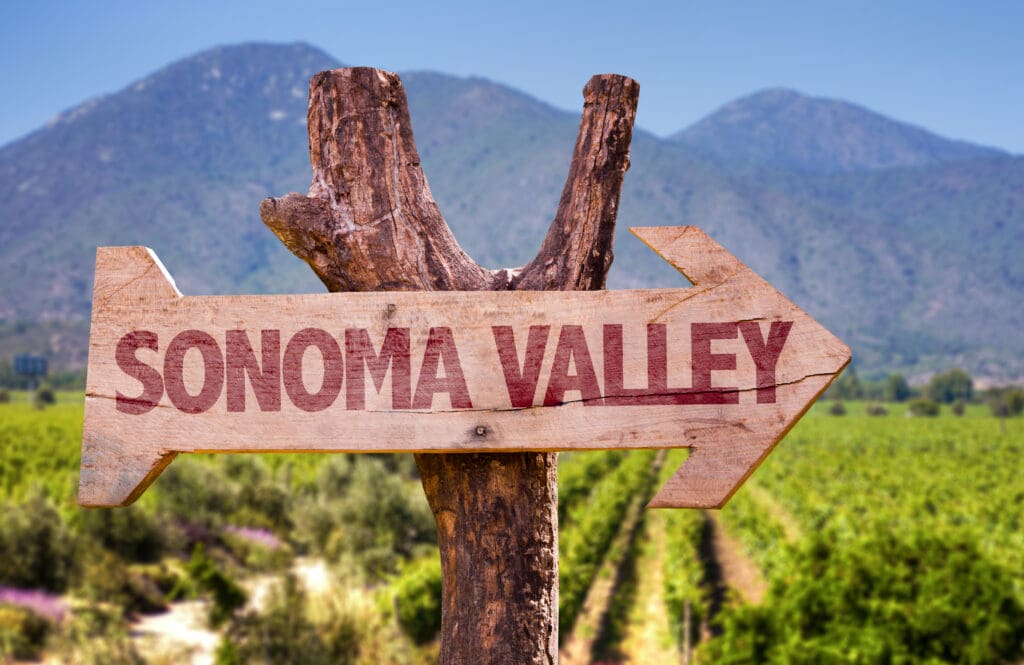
(876, 540)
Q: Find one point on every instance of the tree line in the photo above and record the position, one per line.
(954, 387)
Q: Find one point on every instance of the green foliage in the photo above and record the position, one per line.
(40, 450)
(623, 596)
(764, 537)
(958, 408)
(683, 573)
(107, 579)
(1005, 402)
(197, 491)
(943, 540)
(577, 474)
(880, 598)
(22, 633)
(379, 520)
(283, 633)
(287, 632)
(923, 406)
(876, 410)
(206, 576)
(44, 397)
(131, 532)
(1014, 401)
(115, 558)
(825, 477)
(258, 501)
(594, 523)
(947, 387)
(96, 636)
(896, 388)
(846, 387)
(37, 551)
(418, 599)
(65, 379)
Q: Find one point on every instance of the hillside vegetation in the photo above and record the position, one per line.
(884, 232)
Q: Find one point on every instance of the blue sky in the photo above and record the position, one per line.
(957, 69)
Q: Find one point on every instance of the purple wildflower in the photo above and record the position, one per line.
(258, 536)
(48, 605)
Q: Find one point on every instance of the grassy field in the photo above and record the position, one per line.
(881, 539)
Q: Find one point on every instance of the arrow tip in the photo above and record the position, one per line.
(692, 252)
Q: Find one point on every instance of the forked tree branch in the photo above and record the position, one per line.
(370, 223)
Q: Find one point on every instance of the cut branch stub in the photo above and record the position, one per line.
(370, 223)
(577, 251)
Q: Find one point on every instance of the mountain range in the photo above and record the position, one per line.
(906, 244)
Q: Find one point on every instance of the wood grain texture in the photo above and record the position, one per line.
(730, 423)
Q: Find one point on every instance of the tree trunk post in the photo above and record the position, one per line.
(370, 223)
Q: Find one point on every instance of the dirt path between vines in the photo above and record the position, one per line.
(648, 637)
(579, 646)
(736, 570)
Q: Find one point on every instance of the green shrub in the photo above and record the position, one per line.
(947, 387)
(107, 579)
(5, 396)
(129, 532)
(45, 397)
(836, 409)
(1015, 400)
(876, 410)
(195, 493)
(1006, 402)
(23, 633)
(206, 577)
(381, 520)
(896, 388)
(350, 631)
(958, 408)
(97, 636)
(922, 406)
(418, 599)
(281, 633)
(165, 578)
(37, 551)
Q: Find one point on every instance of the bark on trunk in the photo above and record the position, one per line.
(370, 223)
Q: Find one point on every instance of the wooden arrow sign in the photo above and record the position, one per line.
(724, 368)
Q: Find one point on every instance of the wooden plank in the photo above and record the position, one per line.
(725, 367)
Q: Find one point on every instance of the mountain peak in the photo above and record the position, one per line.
(219, 73)
(783, 128)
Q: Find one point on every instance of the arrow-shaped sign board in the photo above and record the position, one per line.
(724, 368)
